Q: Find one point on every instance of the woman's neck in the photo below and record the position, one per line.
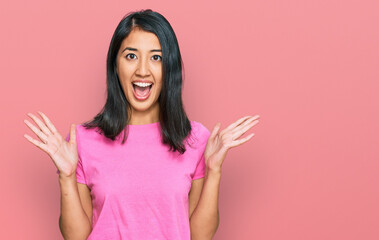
(146, 117)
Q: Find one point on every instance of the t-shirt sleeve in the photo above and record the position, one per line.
(80, 177)
(203, 134)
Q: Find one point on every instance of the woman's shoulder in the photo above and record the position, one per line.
(199, 131)
(198, 127)
(84, 132)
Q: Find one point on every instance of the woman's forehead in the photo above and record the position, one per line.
(141, 40)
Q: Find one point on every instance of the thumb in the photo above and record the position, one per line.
(73, 134)
(215, 130)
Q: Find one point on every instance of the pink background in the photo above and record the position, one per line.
(308, 68)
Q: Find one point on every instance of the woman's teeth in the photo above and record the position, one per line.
(140, 84)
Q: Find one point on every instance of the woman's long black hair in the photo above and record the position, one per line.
(113, 118)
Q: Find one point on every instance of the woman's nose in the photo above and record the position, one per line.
(143, 68)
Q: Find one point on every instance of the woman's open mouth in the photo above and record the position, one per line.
(141, 90)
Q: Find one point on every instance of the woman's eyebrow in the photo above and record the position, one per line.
(135, 49)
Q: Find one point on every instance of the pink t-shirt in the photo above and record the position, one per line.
(139, 189)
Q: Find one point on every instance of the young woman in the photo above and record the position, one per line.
(140, 169)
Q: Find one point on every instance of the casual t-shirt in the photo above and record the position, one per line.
(139, 189)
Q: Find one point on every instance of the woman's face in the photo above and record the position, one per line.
(139, 68)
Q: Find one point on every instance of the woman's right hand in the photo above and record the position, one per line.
(64, 154)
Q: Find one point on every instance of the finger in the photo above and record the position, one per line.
(40, 124)
(244, 124)
(37, 143)
(239, 131)
(215, 131)
(37, 131)
(235, 124)
(242, 140)
(48, 122)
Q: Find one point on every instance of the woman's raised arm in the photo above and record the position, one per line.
(74, 223)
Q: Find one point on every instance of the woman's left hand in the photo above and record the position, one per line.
(220, 142)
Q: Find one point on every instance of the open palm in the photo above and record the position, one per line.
(64, 154)
(220, 142)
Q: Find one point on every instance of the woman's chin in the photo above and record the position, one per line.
(143, 106)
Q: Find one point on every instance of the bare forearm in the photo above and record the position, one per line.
(204, 220)
(73, 221)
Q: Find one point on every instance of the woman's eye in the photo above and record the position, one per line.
(157, 57)
(130, 54)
